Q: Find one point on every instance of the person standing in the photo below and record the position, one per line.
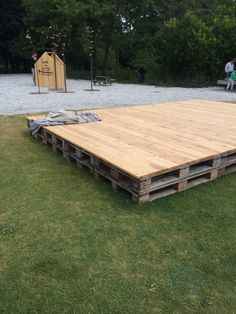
(34, 59)
(229, 67)
(231, 81)
(141, 74)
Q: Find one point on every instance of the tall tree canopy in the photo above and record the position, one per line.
(171, 40)
(11, 30)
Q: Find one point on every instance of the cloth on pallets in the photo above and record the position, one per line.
(63, 117)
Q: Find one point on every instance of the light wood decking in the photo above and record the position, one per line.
(145, 142)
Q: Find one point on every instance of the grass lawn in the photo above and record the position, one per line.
(69, 244)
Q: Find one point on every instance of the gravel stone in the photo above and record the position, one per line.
(16, 97)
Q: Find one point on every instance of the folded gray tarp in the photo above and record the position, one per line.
(63, 117)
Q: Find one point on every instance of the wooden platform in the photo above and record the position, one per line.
(153, 150)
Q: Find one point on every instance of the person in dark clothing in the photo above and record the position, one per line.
(141, 74)
(34, 59)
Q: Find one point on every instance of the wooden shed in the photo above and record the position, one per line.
(49, 71)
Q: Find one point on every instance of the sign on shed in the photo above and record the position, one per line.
(49, 71)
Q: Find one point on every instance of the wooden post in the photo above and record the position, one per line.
(37, 76)
(64, 61)
(55, 69)
(91, 70)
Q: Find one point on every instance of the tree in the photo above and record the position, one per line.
(181, 39)
(11, 26)
(185, 47)
(223, 23)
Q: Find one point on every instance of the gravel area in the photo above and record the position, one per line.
(16, 97)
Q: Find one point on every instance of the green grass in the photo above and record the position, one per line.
(69, 244)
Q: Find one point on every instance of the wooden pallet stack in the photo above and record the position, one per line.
(146, 188)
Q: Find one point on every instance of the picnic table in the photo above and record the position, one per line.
(103, 80)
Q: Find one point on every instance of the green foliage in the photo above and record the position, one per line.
(185, 46)
(127, 75)
(11, 29)
(172, 40)
(146, 58)
(223, 25)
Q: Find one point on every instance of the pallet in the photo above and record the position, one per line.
(150, 187)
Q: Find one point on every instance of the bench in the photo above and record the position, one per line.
(222, 82)
(103, 80)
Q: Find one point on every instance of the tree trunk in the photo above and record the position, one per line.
(108, 41)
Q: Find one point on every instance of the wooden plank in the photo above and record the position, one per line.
(145, 141)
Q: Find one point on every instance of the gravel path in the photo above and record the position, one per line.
(16, 97)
